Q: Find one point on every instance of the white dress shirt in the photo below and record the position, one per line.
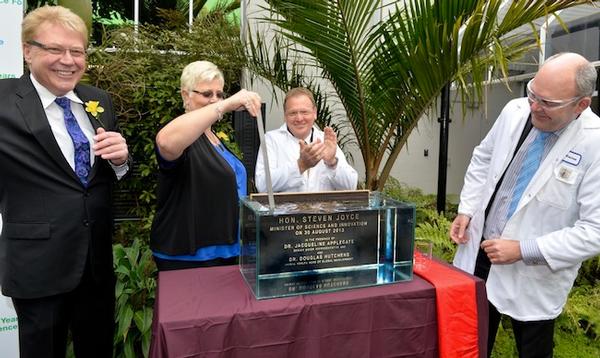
(55, 116)
(283, 151)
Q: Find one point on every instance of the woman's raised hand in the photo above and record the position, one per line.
(244, 99)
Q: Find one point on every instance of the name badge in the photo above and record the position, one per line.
(566, 174)
(572, 158)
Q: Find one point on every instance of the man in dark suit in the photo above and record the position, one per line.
(60, 153)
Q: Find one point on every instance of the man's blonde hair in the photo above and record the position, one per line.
(55, 15)
(299, 91)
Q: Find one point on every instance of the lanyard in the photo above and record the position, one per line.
(312, 132)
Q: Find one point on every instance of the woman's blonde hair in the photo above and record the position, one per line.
(199, 71)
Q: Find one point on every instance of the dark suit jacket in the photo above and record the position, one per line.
(52, 224)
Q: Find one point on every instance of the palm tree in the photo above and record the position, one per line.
(387, 74)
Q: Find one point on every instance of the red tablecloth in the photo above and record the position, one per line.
(457, 308)
(210, 312)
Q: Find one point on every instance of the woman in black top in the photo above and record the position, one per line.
(200, 181)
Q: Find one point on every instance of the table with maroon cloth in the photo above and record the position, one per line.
(211, 312)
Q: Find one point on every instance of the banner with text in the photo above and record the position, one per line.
(11, 66)
(11, 14)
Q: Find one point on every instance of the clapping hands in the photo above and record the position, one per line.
(312, 153)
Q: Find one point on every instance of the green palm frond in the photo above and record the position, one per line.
(183, 6)
(388, 72)
(273, 62)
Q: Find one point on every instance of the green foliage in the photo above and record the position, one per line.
(224, 130)
(430, 225)
(589, 273)
(135, 293)
(31, 5)
(582, 313)
(397, 190)
(435, 230)
(568, 345)
(504, 346)
(183, 7)
(113, 20)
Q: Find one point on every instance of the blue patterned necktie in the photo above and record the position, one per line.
(80, 141)
(530, 164)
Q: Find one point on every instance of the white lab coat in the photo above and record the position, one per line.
(283, 150)
(560, 209)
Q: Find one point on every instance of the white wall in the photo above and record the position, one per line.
(416, 170)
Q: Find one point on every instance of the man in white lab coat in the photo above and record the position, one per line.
(528, 238)
(302, 157)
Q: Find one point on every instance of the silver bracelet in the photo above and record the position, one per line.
(219, 111)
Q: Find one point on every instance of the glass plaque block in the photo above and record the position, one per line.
(327, 241)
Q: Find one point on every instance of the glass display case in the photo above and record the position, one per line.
(319, 242)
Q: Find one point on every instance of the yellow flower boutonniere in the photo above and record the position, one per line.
(223, 136)
(94, 108)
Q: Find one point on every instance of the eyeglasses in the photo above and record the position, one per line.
(548, 103)
(303, 113)
(59, 51)
(210, 94)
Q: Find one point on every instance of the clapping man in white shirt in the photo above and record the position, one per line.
(302, 158)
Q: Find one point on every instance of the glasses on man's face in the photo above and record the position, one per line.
(209, 94)
(59, 51)
(302, 113)
(548, 103)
